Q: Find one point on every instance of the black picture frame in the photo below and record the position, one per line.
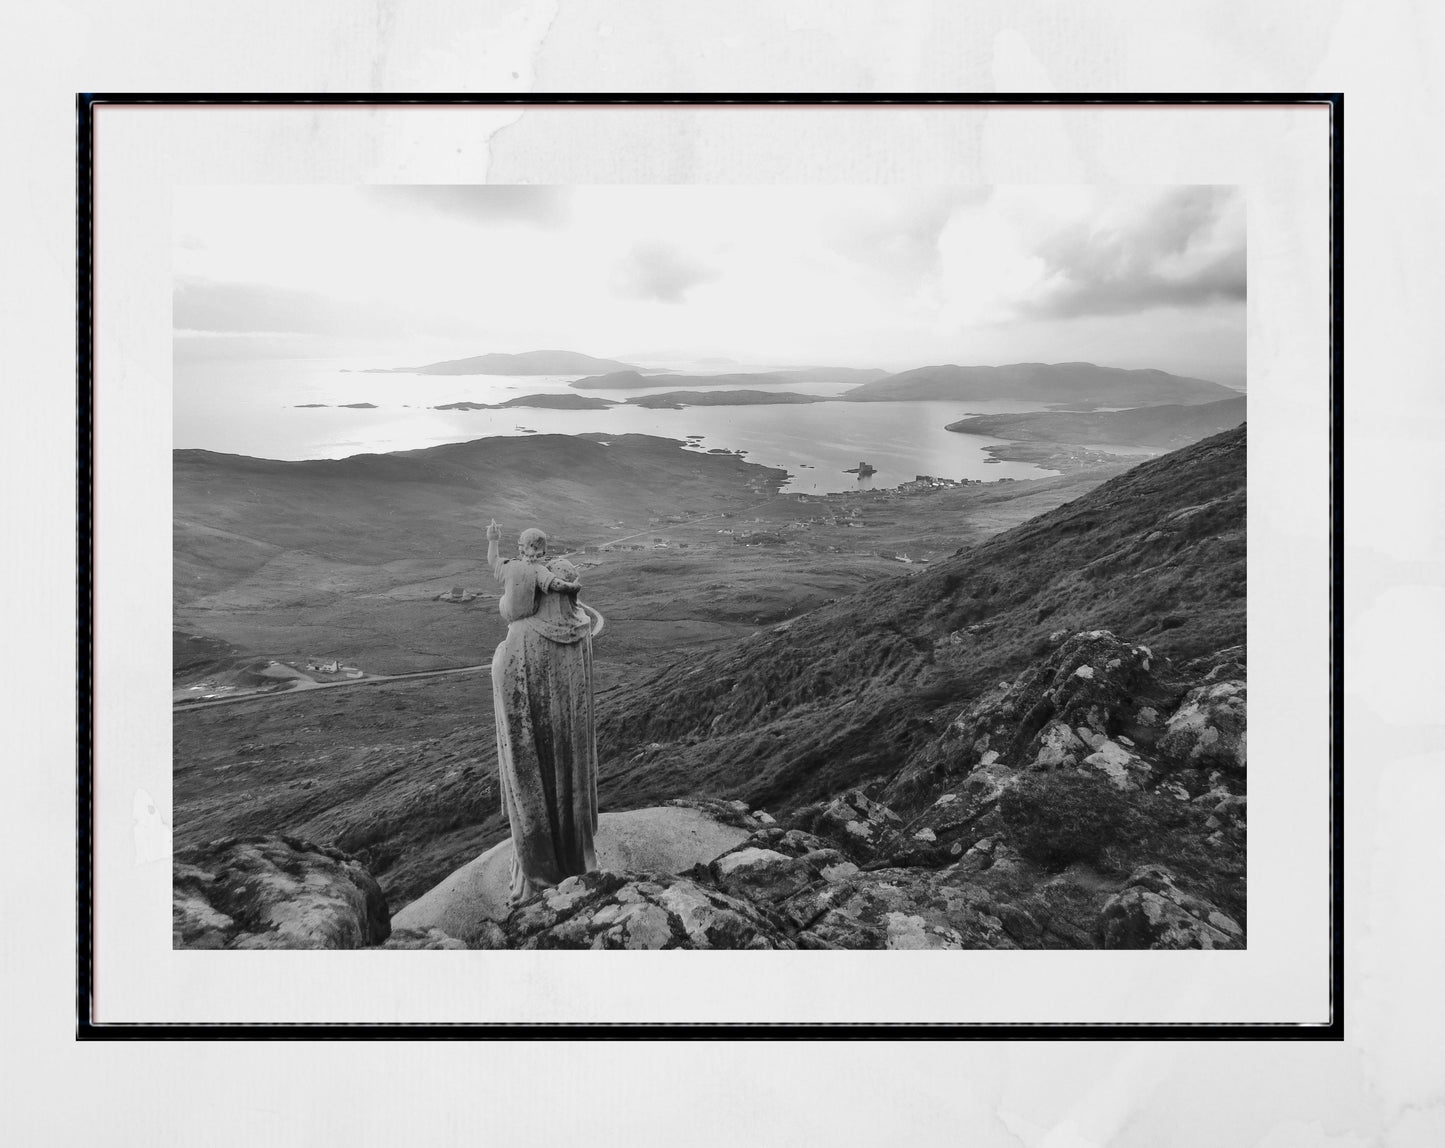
(89, 1030)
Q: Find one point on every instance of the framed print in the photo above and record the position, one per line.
(872, 559)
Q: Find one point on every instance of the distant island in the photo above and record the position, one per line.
(677, 400)
(551, 402)
(526, 363)
(1167, 425)
(624, 380)
(833, 374)
(632, 379)
(1078, 384)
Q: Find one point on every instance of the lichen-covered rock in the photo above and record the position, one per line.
(1057, 747)
(735, 813)
(904, 909)
(859, 826)
(274, 893)
(761, 872)
(640, 911)
(1126, 770)
(1208, 728)
(1152, 912)
(422, 939)
(956, 820)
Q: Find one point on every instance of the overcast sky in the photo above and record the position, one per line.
(872, 276)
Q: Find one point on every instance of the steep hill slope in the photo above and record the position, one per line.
(1074, 383)
(854, 689)
(1168, 425)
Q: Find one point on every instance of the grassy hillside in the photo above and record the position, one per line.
(234, 514)
(345, 558)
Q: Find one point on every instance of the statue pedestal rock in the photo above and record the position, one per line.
(663, 839)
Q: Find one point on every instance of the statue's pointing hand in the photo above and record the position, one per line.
(494, 531)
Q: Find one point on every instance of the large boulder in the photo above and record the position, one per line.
(774, 864)
(274, 893)
(640, 911)
(1153, 912)
(663, 839)
(1208, 728)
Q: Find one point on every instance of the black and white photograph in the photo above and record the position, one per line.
(710, 567)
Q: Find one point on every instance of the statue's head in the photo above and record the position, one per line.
(532, 543)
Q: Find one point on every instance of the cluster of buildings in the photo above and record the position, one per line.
(330, 666)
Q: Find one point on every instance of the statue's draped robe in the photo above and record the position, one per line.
(546, 744)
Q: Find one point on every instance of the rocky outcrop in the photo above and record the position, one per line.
(640, 911)
(1154, 913)
(903, 909)
(1208, 728)
(775, 864)
(274, 893)
(1093, 703)
(1054, 812)
(863, 828)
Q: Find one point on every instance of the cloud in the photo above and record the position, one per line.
(659, 272)
(900, 235)
(484, 204)
(1185, 249)
(233, 308)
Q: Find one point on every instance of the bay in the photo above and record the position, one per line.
(259, 408)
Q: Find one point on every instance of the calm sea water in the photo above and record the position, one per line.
(253, 408)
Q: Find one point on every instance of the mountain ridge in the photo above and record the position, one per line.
(523, 363)
(1042, 382)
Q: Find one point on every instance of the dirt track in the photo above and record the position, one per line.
(184, 707)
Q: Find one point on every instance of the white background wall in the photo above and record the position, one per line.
(1383, 1085)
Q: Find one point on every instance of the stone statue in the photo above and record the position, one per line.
(542, 693)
